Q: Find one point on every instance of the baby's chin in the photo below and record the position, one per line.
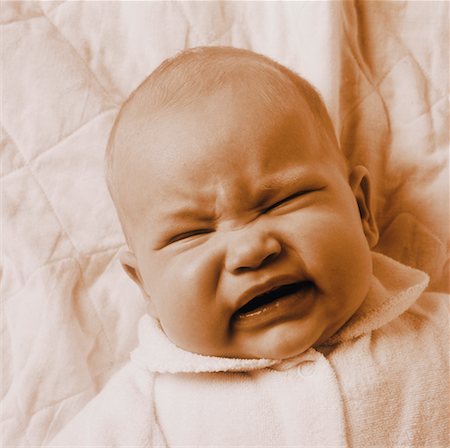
(281, 353)
(276, 351)
(282, 343)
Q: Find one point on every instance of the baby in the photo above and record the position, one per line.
(271, 322)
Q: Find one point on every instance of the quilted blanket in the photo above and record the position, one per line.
(69, 313)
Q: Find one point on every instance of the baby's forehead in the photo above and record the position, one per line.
(180, 86)
(144, 133)
(144, 119)
(220, 130)
(227, 113)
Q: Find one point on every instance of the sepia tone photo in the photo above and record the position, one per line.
(225, 224)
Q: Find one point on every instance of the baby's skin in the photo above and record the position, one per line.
(246, 235)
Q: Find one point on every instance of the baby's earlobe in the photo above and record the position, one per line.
(129, 264)
(359, 181)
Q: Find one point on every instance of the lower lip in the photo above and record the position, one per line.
(286, 308)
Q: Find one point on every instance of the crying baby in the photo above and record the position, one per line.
(270, 320)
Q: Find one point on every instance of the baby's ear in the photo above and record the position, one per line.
(130, 266)
(129, 263)
(359, 181)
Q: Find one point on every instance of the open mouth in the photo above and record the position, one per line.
(268, 298)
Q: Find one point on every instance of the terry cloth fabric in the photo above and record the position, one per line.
(382, 380)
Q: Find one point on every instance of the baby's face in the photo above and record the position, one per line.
(247, 238)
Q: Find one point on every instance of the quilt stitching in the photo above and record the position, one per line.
(25, 19)
(363, 69)
(25, 421)
(100, 320)
(8, 297)
(76, 258)
(40, 13)
(23, 424)
(94, 76)
(15, 170)
(428, 112)
(113, 249)
(357, 54)
(401, 43)
(376, 89)
(4, 132)
(56, 405)
(360, 57)
(48, 202)
(53, 7)
(63, 138)
(196, 34)
(111, 365)
(12, 22)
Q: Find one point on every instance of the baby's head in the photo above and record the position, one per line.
(246, 231)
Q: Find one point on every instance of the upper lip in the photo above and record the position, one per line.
(265, 287)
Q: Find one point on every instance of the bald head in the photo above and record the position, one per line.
(198, 73)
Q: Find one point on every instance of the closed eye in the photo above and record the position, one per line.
(290, 198)
(190, 234)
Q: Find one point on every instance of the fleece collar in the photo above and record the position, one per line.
(394, 288)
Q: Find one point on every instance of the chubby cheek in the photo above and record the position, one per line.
(333, 247)
(182, 289)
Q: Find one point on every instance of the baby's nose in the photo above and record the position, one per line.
(249, 250)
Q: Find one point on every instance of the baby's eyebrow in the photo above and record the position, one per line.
(266, 194)
(180, 220)
(186, 213)
(271, 187)
(289, 183)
